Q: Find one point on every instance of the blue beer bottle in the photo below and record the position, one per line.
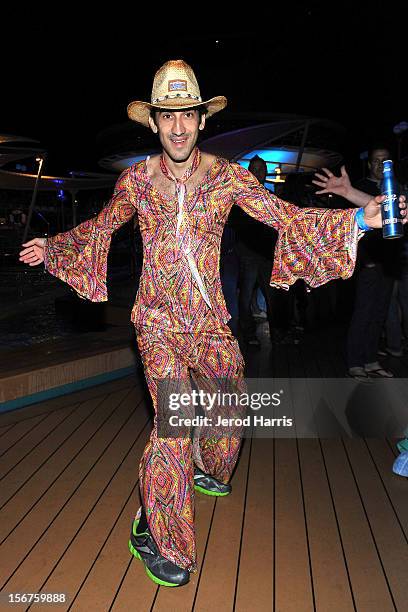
(390, 211)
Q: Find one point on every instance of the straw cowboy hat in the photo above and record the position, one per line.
(174, 87)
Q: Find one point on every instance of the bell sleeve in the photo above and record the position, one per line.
(79, 256)
(314, 244)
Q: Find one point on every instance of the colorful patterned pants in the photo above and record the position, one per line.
(167, 465)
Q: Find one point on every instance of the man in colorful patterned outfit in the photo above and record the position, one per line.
(182, 199)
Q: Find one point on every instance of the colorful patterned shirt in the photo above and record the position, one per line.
(314, 244)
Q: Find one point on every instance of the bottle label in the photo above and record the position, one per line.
(390, 221)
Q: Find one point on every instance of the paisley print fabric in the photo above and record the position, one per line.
(315, 244)
(167, 465)
(179, 333)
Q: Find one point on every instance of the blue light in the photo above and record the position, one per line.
(270, 187)
(280, 156)
(274, 158)
(123, 163)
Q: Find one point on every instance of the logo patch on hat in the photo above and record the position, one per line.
(177, 85)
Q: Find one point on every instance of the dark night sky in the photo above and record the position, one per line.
(67, 77)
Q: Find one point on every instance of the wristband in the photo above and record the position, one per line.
(360, 221)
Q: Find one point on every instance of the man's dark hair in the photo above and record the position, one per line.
(256, 159)
(202, 110)
(379, 146)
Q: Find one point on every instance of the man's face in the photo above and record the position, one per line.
(375, 163)
(258, 169)
(178, 132)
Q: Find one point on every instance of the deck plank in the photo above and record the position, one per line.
(292, 570)
(45, 451)
(133, 589)
(396, 486)
(255, 574)
(22, 500)
(5, 428)
(219, 568)
(311, 524)
(309, 358)
(92, 566)
(367, 578)
(76, 487)
(38, 437)
(390, 539)
(43, 555)
(50, 405)
(332, 589)
(19, 432)
(336, 348)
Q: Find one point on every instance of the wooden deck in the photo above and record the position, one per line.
(311, 524)
(47, 369)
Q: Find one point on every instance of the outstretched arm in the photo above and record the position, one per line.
(33, 253)
(315, 244)
(341, 186)
(79, 256)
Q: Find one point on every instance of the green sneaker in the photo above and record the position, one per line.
(160, 570)
(204, 483)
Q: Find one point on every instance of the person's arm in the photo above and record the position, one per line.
(314, 244)
(341, 186)
(79, 256)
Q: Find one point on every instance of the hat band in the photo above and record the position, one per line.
(175, 96)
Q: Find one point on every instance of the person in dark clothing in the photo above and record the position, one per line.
(255, 248)
(377, 269)
(396, 325)
(289, 307)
